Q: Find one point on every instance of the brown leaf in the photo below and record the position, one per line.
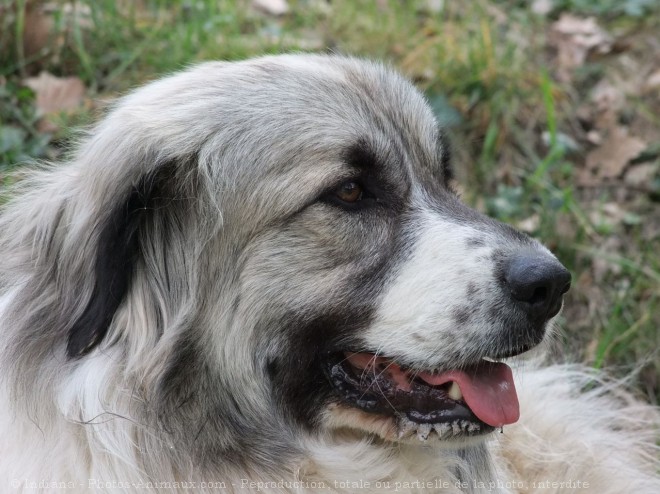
(608, 101)
(542, 7)
(47, 25)
(271, 7)
(594, 137)
(611, 158)
(611, 214)
(37, 31)
(575, 39)
(642, 175)
(530, 224)
(56, 94)
(653, 81)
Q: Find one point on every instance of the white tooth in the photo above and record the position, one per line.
(454, 391)
(442, 429)
(406, 427)
(473, 427)
(423, 431)
(455, 427)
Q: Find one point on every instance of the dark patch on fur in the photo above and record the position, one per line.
(191, 396)
(362, 156)
(183, 363)
(471, 289)
(445, 158)
(498, 256)
(301, 383)
(117, 251)
(272, 369)
(461, 315)
(475, 243)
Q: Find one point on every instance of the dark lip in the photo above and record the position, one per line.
(374, 394)
(512, 352)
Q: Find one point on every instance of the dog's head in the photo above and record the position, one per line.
(276, 244)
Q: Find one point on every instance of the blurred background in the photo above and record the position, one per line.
(553, 107)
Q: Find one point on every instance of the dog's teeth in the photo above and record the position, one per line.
(442, 429)
(406, 427)
(423, 432)
(455, 391)
(473, 427)
(455, 427)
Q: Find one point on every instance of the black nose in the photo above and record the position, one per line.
(537, 282)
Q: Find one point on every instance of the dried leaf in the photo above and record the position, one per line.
(542, 7)
(529, 225)
(611, 158)
(653, 82)
(435, 6)
(37, 32)
(641, 175)
(56, 94)
(611, 216)
(608, 101)
(271, 7)
(594, 137)
(575, 39)
(46, 28)
(565, 226)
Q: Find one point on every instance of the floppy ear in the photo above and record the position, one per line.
(117, 251)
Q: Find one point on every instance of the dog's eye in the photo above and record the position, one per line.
(349, 192)
(351, 195)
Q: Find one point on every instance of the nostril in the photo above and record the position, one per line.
(529, 291)
(539, 294)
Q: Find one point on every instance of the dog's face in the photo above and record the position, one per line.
(290, 224)
(374, 294)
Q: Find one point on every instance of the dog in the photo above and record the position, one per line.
(256, 277)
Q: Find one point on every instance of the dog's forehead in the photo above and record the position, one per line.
(316, 110)
(287, 121)
(370, 100)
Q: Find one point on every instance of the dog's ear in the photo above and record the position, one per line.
(117, 251)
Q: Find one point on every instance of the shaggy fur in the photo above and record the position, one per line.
(169, 293)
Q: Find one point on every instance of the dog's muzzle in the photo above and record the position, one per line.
(480, 395)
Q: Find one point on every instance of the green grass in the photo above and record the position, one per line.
(488, 74)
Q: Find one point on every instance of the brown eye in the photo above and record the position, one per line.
(349, 192)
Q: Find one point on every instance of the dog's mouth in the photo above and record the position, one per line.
(471, 401)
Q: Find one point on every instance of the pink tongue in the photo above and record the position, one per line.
(487, 389)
